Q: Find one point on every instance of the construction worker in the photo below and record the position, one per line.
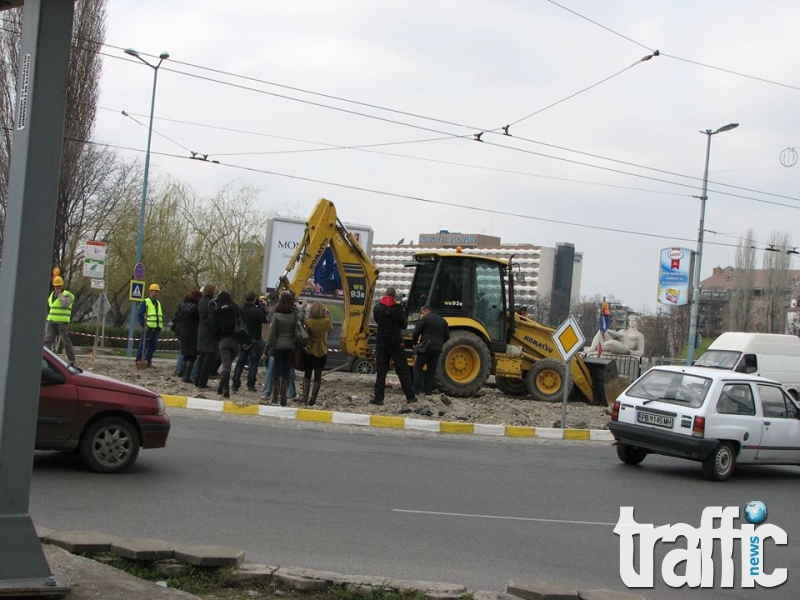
(151, 318)
(60, 302)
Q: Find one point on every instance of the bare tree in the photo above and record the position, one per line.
(655, 329)
(741, 303)
(83, 168)
(777, 286)
(9, 58)
(539, 309)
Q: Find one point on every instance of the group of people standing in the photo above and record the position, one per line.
(429, 337)
(213, 330)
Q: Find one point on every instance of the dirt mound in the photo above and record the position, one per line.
(351, 392)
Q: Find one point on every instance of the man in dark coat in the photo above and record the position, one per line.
(207, 340)
(391, 319)
(429, 337)
(187, 324)
(254, 316)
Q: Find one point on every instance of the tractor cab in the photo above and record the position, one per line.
(459, 286)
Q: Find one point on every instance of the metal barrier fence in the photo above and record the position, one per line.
(628, 366)
(664, 360)
(633, 366)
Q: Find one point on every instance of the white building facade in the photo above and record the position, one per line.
(535, 277)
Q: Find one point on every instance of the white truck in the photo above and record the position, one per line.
(770, 355)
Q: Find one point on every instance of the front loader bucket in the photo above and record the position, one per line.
(607, 384)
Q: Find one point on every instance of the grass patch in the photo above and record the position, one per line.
(215, 583)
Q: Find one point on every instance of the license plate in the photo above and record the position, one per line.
(654, 419)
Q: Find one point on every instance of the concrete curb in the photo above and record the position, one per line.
(385, 421)
(124, 586)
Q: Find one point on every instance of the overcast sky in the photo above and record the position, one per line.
(612, 170)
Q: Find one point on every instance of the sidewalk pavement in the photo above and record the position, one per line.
(89, 579)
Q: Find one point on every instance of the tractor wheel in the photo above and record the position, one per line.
(464, 365)
(546, 380)
(512, 386)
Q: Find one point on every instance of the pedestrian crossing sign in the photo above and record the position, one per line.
(136, 292)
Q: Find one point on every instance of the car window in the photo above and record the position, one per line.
(774, 402)
(736, 399)
(671, 386)
(719, 359)
(749, 364)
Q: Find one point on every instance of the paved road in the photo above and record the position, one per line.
(466, 510)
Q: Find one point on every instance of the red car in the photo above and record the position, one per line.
(106, 420)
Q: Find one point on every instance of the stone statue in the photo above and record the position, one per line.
(628, 341)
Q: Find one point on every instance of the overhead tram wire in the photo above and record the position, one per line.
(414, 198)
(466, 136)
(594, 85)
(512, 148)
(637, 175)
(369, 148)
(169, 139)
(672, 56)
(364, 147)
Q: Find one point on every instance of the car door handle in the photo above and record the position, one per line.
(767, 423)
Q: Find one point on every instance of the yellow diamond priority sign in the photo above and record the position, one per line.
(568, 338)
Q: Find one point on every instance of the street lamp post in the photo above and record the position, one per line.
(692, 341)
(140, 235)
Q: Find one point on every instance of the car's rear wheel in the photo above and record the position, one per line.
(720, 463)
(363, 366)
(110, 445)
(630, 455)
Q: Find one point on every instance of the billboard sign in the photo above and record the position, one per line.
(673, 276)
(283, 236)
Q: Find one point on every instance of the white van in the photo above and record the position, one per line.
(770, 355)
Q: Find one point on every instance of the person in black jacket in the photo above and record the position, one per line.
(187, 321)
(254, 316)
(223, 324)
(430, 334)
(207, 342)
(391, 319)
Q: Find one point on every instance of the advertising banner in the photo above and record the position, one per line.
(673, 276)
(284, 235)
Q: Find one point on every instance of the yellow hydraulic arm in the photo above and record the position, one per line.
(358, 274)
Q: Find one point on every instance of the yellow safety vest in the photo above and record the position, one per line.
(153, 316)
(59, 314)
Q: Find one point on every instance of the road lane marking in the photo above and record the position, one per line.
(450, 514)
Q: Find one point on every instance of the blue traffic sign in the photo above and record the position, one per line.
(136, 291)
(138, 271)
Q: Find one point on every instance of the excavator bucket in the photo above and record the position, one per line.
(607, 383)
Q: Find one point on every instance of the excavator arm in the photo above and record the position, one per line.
(358, 274)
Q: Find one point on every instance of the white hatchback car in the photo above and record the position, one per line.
(720, 418)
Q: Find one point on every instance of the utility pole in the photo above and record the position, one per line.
(38, 130)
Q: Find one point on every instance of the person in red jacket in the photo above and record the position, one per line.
(391, 319)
